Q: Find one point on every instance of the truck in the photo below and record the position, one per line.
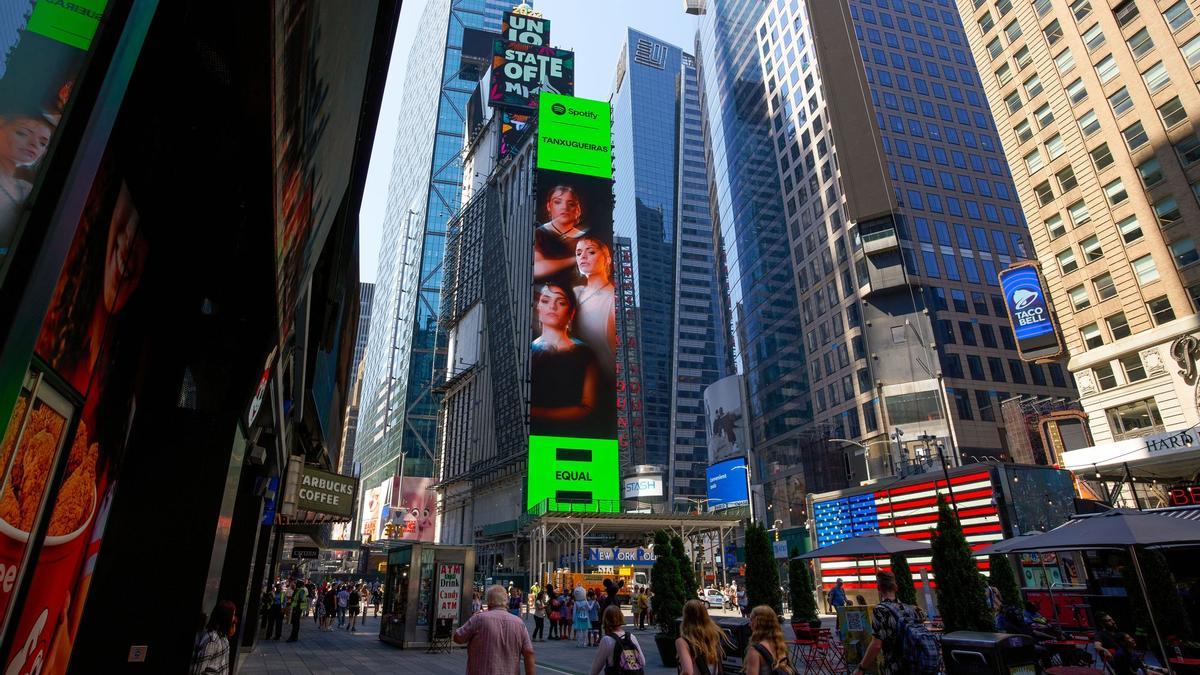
(594, 581)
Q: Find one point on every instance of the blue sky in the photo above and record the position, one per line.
(594, 30)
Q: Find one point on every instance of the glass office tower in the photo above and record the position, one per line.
(398, 417)
(662, 207)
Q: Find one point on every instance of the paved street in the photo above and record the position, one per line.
(362, 653)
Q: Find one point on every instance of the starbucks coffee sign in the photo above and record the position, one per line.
(325, 492)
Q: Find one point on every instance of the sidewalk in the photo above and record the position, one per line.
(361, 653)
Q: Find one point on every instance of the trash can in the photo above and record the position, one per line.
(976, 653)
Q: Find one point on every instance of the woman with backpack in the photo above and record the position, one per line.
(699, 643)
(619, 652)
(768, 653)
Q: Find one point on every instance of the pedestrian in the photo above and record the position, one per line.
(377, 599)
(330, 607)
(496, 641)
(769, 653)
(210, 655)
(594, 618)
(539, 616)
(514, 602)
(353, 601)
(994, 602)
(365, 601)
(299, 602)
(343, 605)
(619, 651)
(643, 608)
(743, 601)
(476, 605)
(908, 647)
(583, 620)
(837, 596)
(568, 615)
(275, 616)
(264, 608)
(649, 602)
(698, 646)
(555, 611)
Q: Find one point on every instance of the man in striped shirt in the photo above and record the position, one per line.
(496, 641)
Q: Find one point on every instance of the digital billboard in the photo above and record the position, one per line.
(575, 135)
(572, 402)
(725, 419)
(1030, 313)
(525, 28)
(728, 484)
(520, 72)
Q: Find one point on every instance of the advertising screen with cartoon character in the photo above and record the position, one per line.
(413, 507)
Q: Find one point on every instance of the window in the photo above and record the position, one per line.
(1105, 377)
(1107, 69)
(1131, 420)
(1184, 251)
(1188, 149)
(1167, 212)
(1076, 91)
(1194, 295)
(1156, 77)
(1150, 172)
(1160, 310)
(983, 401)
(1022, 57)
(1044, 192)
(1064, 61)
(1055, 227)
(1132, 365)
(1053, 32)
(1081, 8)
(1013, 102)
(1101, 156)
(1066, 179)
(1172, 113)
(1079, 298)
(1178, 15)
(1144, 270)
(1130, 230)
(1078, 213)
(1093, 37)
(979, 302)
(1033, 86)
(1191, 51)
(1140, 44)
(1044, 115)
(995, 48)
(1118, 327)
(975, 367)
(1125, 12)
(1091, 249)
(1023, 131)
(968, 333)
(1089, 124)
(1066, 261)
(1115, 192)
(1091, 336)
(1033, 160)
(1105, 288)
(996, 369)
(1018, 371)
(1120, 101)
(1135, 136)
(1055, 146)
(1041, 7)
(1013, 31)
(986, 23)
(1004, 74)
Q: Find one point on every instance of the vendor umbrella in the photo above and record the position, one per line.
(866, 546)
(1119, 528)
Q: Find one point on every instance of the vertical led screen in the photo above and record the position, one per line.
(572, 411)
(728, 484)
(1029, 311)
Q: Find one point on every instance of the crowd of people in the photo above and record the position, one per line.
(291, 600)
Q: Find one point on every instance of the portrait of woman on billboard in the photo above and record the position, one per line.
(24, 136)
(554, 240)
(565, 374)
(596, 320)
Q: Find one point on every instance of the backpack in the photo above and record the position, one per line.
(624, 659)
(919, 649)
(769, 665)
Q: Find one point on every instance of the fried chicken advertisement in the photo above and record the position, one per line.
(31, 467)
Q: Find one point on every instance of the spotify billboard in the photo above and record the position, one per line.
(573, 462)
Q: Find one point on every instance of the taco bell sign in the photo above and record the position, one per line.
(1029, 311)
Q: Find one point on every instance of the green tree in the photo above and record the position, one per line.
(665, 582)
(1169, 613)
(687, 571)
(800, 588)
(762, 574)
(906, 592)
(962, 594)
(1001, 576)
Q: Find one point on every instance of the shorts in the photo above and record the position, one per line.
(353, 611)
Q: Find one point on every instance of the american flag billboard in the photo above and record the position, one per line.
(908, 511)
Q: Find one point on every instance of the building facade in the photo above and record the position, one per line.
(406, 353)
(900, 213)
(1095, 102)
(366, 292)
(662, 208)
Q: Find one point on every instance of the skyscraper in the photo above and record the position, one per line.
(366, 292)
(1096, 103)
(900, 211)
(662, 207)
(405, 351)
